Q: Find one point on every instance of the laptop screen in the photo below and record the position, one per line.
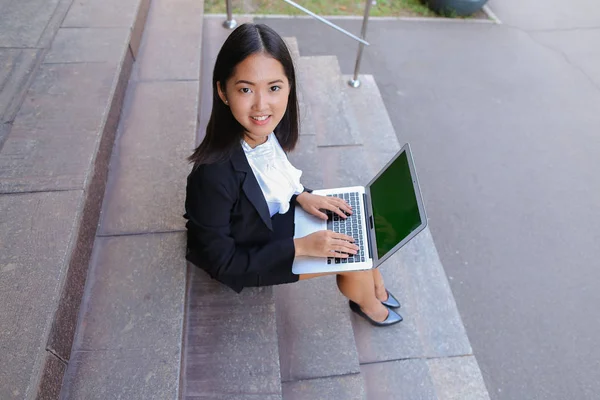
(395, 208)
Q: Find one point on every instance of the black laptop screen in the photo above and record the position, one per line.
(395, 209)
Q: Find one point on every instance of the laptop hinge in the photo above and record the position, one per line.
(368, 224)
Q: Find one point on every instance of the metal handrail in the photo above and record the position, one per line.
(326, 22)
(231, 23)
(354, 82)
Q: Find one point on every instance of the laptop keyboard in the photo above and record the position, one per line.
(351, 226)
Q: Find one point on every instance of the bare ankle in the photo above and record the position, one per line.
(381, 293)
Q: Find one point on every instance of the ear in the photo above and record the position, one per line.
(222, 94)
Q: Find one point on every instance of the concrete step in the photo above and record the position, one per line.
(455, 378)
(314, 331)
(129, 338)
(346, 387)
(371, 116)
(305, 155)
(306, 119)
(231, 344)
(128, 342)
(292, 44)
(53, 167)
(306, 158)
(317, 350)
(321, 82)
(431, 356)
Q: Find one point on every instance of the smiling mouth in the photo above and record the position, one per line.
(261, 118)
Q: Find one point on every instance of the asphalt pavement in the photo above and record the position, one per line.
(504, 121)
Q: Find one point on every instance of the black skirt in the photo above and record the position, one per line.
(283, 228)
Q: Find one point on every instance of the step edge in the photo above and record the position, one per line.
(84, 230)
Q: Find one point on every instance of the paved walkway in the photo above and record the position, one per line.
(504, 125)
(26, 31)
(64, 66)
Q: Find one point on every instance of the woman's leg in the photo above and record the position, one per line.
(380, 291)
(359, 287)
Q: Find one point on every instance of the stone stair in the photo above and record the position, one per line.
(301, 341)
(151, 326)
(65, 92)
(428, 355)
(128, 343)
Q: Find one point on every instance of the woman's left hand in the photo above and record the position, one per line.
(313, 204)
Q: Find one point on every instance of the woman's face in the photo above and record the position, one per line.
(257, 94)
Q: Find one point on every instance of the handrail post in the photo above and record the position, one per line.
(363, 34)
(230, 23)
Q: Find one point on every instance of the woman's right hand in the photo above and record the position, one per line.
(325, 244)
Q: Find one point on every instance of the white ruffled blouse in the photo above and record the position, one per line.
(277, 177)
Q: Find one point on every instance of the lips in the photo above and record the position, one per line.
(260, 119)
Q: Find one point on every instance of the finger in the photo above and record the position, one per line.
(341, 236)
(337, 254)
(336, 209)
(345, 249)
(349, 247)
(318, 213)
(346, 246)
(344, 206)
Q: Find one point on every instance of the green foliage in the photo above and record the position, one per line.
(388, 8)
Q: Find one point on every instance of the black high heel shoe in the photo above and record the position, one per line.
(392, 318)
(391, 302)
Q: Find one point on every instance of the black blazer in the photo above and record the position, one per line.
(230, 231)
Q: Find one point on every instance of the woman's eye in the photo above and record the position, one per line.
(275, 88)
(245, 90)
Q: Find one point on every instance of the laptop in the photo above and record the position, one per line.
(386, 214)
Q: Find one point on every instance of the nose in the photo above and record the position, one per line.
(260, 101)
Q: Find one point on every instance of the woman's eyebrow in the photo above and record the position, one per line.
(252, 83)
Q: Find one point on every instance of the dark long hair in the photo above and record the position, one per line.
(224, 132)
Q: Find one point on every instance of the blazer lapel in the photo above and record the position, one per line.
(251, 187)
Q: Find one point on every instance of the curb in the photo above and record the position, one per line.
(486, 9)
(60, 337)
(358, 18)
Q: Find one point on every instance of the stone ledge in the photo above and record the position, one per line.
(37, 232)
(343, 387)
(132, 374)
(131, 320)
(231, 347)
(146, 190)
(324, 92)
(36, 124)
(314, 330)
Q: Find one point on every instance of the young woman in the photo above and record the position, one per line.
(242, 190)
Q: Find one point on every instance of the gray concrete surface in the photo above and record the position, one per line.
(129, 340)
(231, 342)
(23, 23)
(323, 93)
(347, 387)
(128, 344)
(432, 326)
(64, 98)
(58, 120)
(314, 340)
(504, 131)
(32, 269)
(549, 15)
(160, 114)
